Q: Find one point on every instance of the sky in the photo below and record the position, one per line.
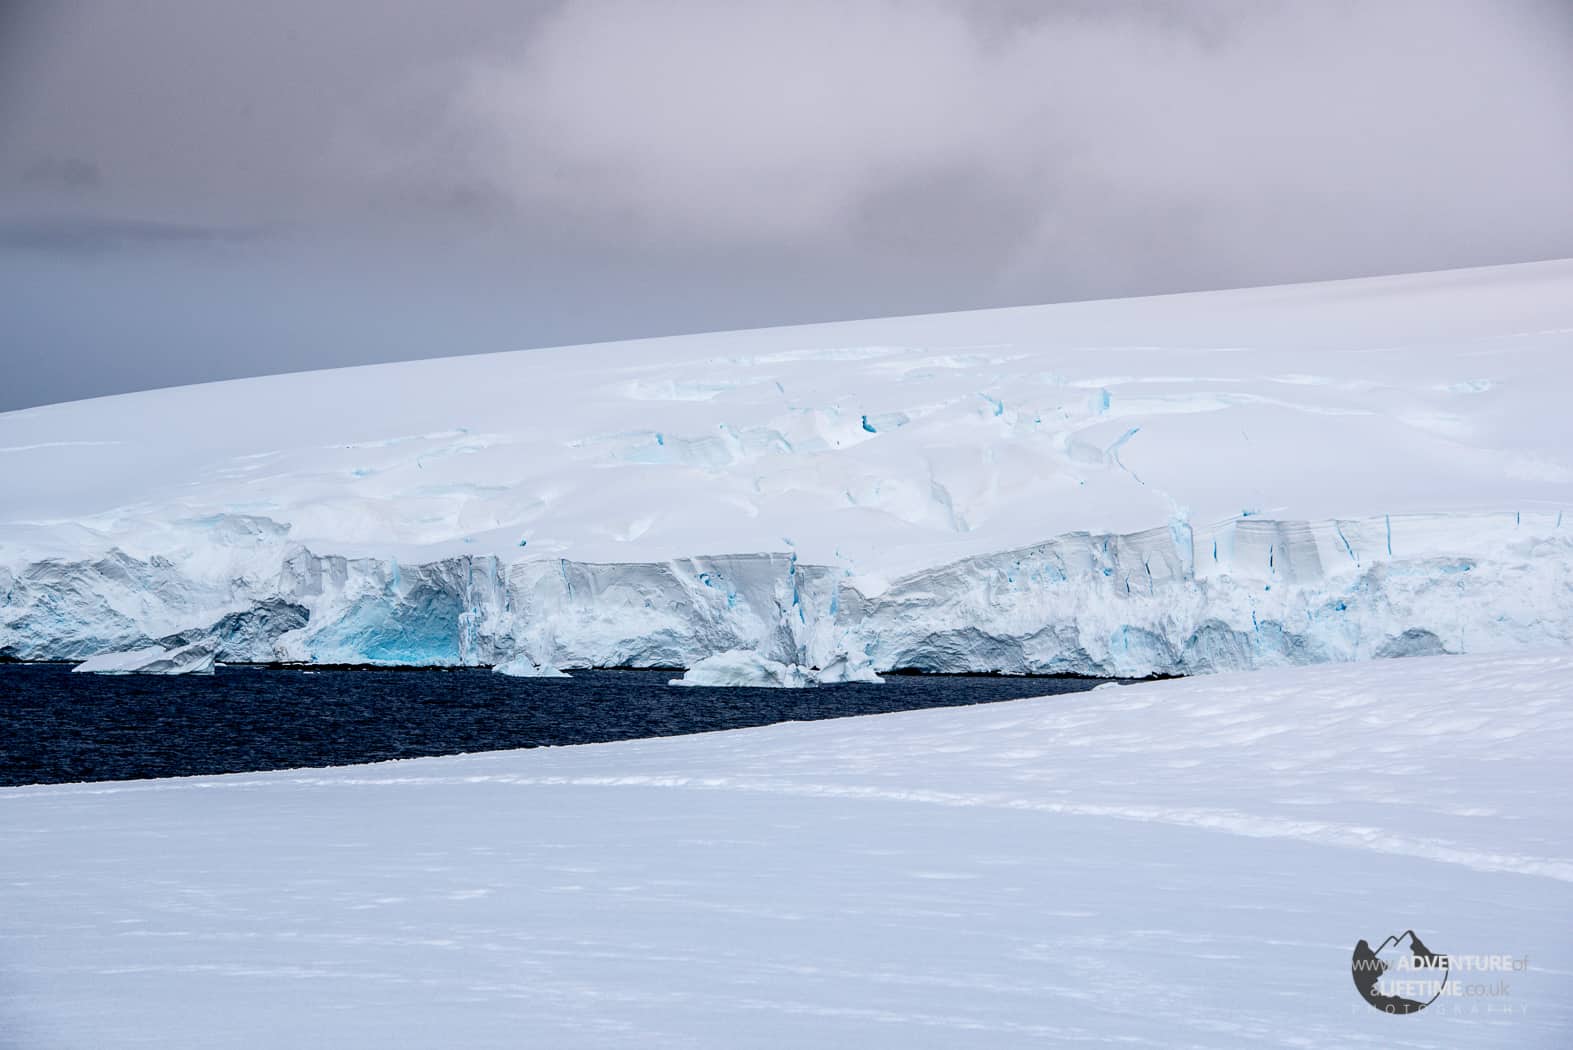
(194, 190)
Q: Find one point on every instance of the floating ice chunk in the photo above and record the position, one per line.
(524, 667)
(848, 669)
(741, 667)
(154, 659)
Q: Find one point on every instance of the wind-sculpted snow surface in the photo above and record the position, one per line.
(1186, 863)
(1223, 480)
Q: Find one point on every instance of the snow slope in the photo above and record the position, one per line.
(1182, 483)
(1175, 864)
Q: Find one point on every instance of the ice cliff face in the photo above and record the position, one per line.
(1186, 483)
(1249, 593)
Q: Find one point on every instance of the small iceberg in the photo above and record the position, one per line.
(745, 668)
(524, 667)
(848, 669)
(154, 659)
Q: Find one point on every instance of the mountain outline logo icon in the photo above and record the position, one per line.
(1401, 975)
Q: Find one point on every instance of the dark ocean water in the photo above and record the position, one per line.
(57, 727)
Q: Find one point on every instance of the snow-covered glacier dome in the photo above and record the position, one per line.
(1181, 483)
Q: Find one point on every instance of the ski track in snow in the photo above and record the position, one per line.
(1179, 863)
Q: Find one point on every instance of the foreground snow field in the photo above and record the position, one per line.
(1175, 864)
(1186, 483)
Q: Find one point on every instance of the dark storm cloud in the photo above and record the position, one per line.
(704, 164)
(1257, 133)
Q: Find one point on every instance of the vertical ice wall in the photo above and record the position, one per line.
(1175, 599)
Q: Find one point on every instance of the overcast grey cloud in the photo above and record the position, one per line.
(202, 190)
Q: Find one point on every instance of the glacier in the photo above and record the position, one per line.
(1248, 593)
(1174, 485)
